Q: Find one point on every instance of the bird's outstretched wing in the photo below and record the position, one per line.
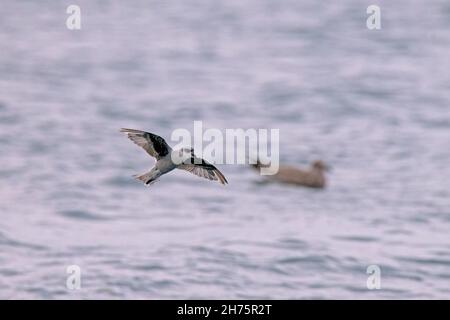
(203, 169)
(154, 145)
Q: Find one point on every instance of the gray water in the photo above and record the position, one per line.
(372, 104)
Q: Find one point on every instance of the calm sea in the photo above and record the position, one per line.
(374, 104)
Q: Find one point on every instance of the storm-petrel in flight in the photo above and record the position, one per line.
(158, 148)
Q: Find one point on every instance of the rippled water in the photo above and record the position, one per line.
(372, 104)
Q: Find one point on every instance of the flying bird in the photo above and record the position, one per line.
(185, 158)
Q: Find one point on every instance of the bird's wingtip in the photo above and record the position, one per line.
(222, 179)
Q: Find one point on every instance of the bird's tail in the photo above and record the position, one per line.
(149, 177)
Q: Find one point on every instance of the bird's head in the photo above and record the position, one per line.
(320, 165)
(184, 155)
(187, 151)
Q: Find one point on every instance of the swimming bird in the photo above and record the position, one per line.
(314, 177)
(185, 158)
